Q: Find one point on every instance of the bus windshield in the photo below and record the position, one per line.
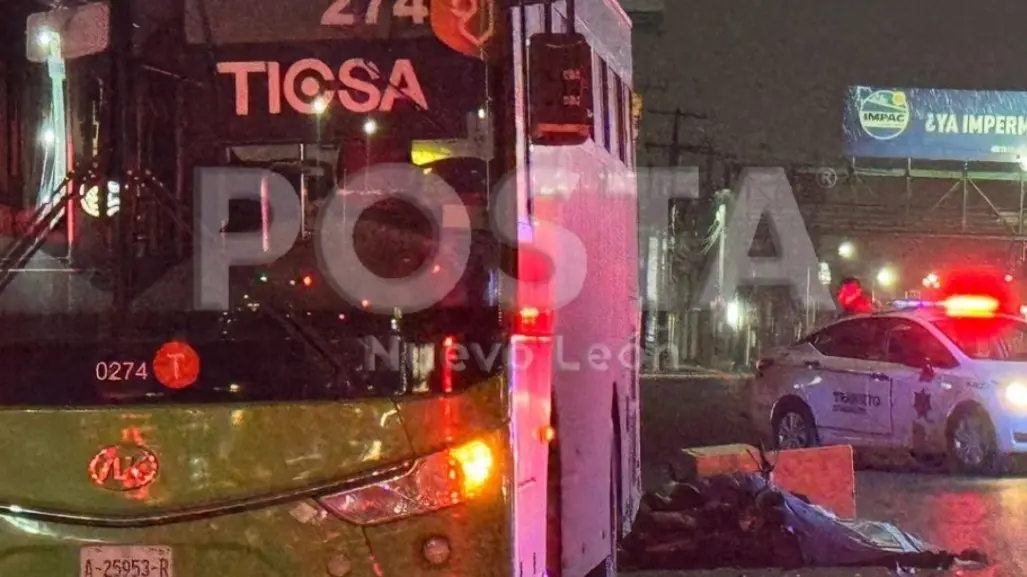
(301, 337)
(89, 299)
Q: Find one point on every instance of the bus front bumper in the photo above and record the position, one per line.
(295, 539)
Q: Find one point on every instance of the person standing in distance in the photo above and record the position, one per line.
(852, 299)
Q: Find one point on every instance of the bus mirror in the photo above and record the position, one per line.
(78, 31)
(560, 89)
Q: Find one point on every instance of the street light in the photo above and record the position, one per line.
(846, 250)
(932, 281)
(733, 314)
(320, 105)
(886, 277)
(47, 37)
(48, 137)
(370, 126)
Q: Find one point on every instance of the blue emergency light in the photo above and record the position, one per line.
(912, 304)
(956, 305)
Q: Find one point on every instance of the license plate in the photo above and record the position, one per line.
(128, 561)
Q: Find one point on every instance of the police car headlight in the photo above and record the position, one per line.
(1016, 394)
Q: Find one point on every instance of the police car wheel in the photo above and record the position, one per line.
(794, 427)
(971, 442)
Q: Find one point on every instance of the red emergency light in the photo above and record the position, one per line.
(971, 306)
(533, 322)
(978, 292)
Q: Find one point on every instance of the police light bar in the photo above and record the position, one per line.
(971, 306)
(956, 306)
(912, 304)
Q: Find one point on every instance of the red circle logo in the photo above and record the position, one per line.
(124, 468)
(176, 365)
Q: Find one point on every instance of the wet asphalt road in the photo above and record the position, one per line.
(952, 512)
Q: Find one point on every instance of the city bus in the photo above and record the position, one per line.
(300, 429)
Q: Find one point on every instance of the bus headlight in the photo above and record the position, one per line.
(1016, 394)
(435, 482)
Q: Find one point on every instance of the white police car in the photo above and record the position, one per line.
(940, 379)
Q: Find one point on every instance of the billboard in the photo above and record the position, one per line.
(932, 124)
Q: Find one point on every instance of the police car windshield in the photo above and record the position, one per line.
(993, 339)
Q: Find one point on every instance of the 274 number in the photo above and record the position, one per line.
(340, 14)
(121, 371)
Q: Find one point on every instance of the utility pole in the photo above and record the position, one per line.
(666, 245)
(689, 331)
(675, 148)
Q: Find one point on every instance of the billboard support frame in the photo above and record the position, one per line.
(919, 217)
(966, 181)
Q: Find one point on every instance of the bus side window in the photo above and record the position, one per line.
(603, 100)
(621, 114)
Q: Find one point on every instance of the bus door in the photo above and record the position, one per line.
(530, 362)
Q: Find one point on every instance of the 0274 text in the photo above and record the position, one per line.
(121, 371)
(341, 13)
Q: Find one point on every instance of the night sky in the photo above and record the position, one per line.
(771, 75)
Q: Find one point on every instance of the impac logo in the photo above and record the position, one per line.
(884, 114)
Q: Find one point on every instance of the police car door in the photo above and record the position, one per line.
(838, 393)
(922, 398)
(875, 402)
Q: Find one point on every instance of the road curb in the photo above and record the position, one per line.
(697, 377)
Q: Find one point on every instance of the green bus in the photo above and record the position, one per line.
(301, 429)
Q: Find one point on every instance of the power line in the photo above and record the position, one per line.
(678, 112)
(675, 148)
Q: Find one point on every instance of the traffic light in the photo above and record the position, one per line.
(560, 89)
